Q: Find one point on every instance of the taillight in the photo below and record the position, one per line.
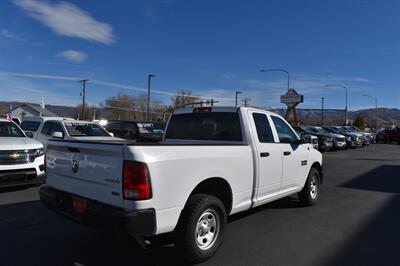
(202, 110)
(136, 181)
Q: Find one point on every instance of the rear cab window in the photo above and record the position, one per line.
(30, 125)
(207, 126)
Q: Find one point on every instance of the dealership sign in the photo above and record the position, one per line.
(292, 98)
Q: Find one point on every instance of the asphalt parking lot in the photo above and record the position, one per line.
(356, 222)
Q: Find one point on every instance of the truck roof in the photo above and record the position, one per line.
(225, 109)
(46, 118)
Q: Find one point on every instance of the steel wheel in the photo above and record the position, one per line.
(314, 187)
(207, 229)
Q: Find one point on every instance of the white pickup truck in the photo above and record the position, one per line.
(212, 162)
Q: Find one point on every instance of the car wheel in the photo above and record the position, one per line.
(201, 228)
(309, 195)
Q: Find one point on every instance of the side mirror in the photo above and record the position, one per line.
(305, 138)
(29, 134)
(111, 134)
(57, 135)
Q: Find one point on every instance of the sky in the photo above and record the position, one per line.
(211, 48)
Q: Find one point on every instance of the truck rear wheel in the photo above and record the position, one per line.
(201, 228)
(310, 193)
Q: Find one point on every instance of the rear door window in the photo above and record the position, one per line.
(263, 128)
(220, 126)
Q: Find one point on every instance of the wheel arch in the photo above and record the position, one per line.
(218, 187)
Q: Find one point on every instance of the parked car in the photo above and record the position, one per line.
(307, 137)
(45, 128)
(367, 136)
(339, 141)
(212, 162)
(389, 136)
(133, 130)
(353, 139)
(325, 141)
(21, 158)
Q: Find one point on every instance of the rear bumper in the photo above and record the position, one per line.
(19, 177)
(116, 220)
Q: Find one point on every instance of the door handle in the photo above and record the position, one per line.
(264, 154)
(286, 153)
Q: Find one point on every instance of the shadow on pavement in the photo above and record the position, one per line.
(376, 242)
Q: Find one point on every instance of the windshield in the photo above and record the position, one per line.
(86, 130)
(320, 130)
(8, 129)
(308, 130)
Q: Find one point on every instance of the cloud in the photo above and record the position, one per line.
(69, 20)
(73, 56)
(10, 35)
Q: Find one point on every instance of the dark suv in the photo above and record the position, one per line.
(140, 131)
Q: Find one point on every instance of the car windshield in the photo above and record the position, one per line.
(332, 130)
(9, 129)
(320, 130)
(80, 129)
(308, 130)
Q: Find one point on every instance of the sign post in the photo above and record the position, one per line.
(291, 98)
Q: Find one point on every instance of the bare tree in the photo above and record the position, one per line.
(87, 114)
(183, 97)
(122, 106)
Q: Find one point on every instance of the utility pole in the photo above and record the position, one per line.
(237, 93)
(322, 111)
(83, 94)
(148, 96)
(212, 102)
(246, 100)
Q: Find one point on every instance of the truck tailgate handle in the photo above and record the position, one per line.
(264, 154)
(286, 153)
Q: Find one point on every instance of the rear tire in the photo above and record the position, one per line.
(309, 195)
(201, 228)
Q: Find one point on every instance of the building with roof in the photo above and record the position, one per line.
(30, 109)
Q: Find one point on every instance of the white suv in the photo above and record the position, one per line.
(44, 129)
(21, 158)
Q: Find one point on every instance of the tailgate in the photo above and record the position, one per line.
(90, 170)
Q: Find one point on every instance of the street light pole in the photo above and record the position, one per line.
(83, 81)
(373, 98)
(282, 70)
(238, 92)
(346, 106)
(376, 108)
(322, 111)
(148, 95)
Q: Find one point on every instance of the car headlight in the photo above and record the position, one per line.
(36, 152)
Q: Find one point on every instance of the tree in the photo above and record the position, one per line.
(122, 106)
(183, 97)
(88, 114)
(134, 108)
(359, 122)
